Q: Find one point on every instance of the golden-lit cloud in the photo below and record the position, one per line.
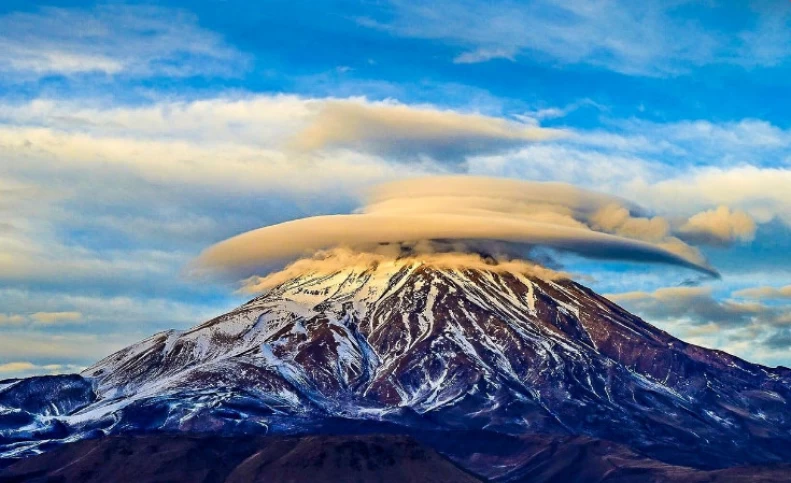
(719, 226)
(401, 130)
(220, 165)
(617, 219)
(254, 143)
(56, 317)
(452, 208)
(764, 293)
(340, 258)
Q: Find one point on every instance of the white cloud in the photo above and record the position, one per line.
(483, 55)
(537, 115)
(639, 38)
(606, 171)
(226, 166)
(62, 314)
(112, 40)
(73, 348)
(27, 59)
(761, 192)
(739, 167)
(55, 261)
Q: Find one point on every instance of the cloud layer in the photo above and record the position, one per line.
(400, 131)
(550, 215)
(256, 142)
(740, 324)
(109, 201)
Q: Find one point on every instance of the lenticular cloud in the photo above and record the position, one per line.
(553, 215)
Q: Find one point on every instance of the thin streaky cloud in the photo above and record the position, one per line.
(111, 40)
(633, 38)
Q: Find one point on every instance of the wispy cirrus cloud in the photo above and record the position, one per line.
(638, 38)
(112, 40)
(483, 55)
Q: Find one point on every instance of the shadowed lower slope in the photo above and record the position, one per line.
(360, 458)
(311, 459)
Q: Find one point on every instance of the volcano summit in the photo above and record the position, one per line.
(487, 354)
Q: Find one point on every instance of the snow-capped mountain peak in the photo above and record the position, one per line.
(423, 344)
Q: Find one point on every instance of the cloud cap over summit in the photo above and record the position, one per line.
(554, 215)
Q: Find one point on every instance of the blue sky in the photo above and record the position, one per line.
(133, 135)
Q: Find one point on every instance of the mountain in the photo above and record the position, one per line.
(414, 348)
